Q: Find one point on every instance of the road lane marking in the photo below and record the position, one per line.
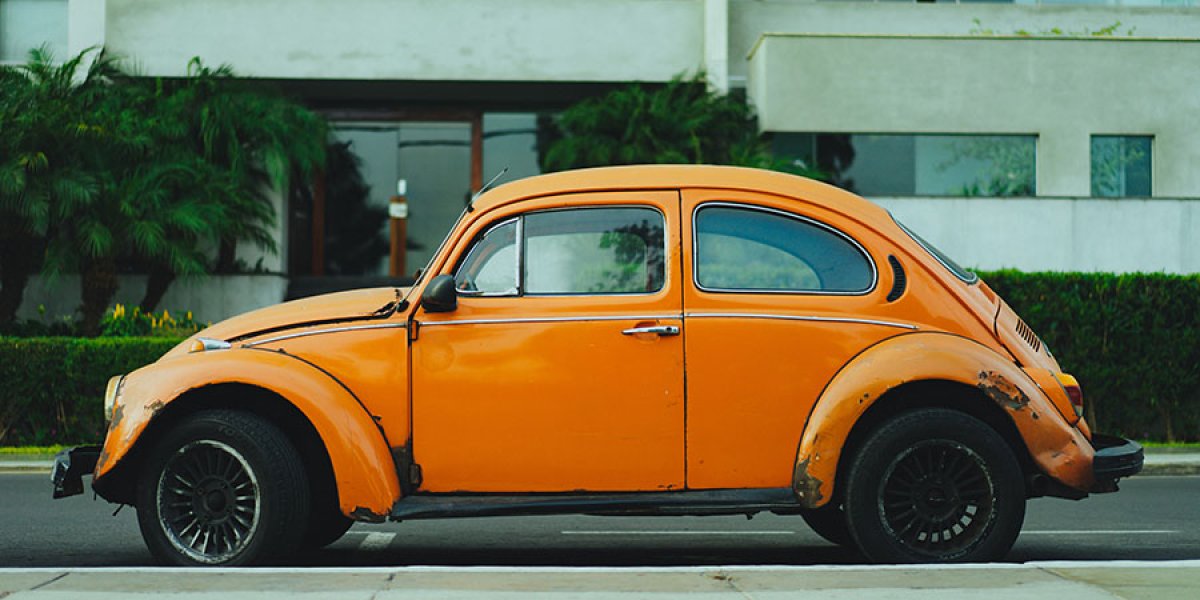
(673, 532)
(376, 541)
(1100, 532)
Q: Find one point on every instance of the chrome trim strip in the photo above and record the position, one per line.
(553, 320)
(800, 318)
(301, 334)
(783, 213)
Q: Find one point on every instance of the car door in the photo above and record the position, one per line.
(561, 369)
(774, 305)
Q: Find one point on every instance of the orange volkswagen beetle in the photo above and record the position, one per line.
(678, 340)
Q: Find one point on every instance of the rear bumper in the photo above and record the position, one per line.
(70, 465)
(1115, 458)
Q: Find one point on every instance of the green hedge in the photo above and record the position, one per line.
(1133, 341)
(52, 389)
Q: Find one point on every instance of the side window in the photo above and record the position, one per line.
(576, 251)
(594, 251)
(490, 268)
(758, 250)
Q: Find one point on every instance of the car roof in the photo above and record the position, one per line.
(645, 177)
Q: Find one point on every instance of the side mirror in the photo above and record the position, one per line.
(440, 295)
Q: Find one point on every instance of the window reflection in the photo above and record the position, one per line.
(1121, 165)
(919, 164)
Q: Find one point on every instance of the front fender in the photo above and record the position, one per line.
(362, 465)
(1056, 447)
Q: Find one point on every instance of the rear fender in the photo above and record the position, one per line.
(1055, 447)
(363, 467)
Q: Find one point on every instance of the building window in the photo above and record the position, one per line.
(511, 141)
(29, 24)
(1121, 165)
(918, 164)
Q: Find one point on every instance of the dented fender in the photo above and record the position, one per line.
(362, 463)
(1057, 448)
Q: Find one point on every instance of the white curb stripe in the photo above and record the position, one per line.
(678, 532)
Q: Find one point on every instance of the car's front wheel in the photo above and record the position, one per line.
(222, 488)
(934, 485)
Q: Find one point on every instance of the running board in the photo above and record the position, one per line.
(691, 502)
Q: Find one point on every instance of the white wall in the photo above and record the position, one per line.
(1061, 89)
(1059, 234)
(210, 299)
(513, 40)
(749, 19)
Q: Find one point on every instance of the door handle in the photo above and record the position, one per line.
(661, 330)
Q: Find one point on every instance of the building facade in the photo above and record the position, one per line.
(1035, 135)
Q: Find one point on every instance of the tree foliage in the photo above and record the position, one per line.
(683, 121)
(98, 167)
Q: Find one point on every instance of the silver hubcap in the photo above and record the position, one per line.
(208, 501)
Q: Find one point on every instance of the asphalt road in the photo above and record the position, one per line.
(1152, 518)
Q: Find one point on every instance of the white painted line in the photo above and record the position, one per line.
(376, 541)
(1064, 564)
(1100, 532)
(677, 532)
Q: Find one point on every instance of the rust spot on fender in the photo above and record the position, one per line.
(366, 515)
(118, 414)
(1002, 391)
(807, 487)
(155, 406)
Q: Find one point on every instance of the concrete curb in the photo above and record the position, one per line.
(1035, 581)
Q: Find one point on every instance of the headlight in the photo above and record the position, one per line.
(205, 344)
(110, 397)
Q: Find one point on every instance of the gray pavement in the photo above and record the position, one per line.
(1031, 581)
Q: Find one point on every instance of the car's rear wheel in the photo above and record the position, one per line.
(222, 488)
(934, 485)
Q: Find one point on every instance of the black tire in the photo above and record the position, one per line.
(829, 522)
(222, 488)
(934, 485)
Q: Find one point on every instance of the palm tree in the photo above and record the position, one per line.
(259, 138)
(44, 125)
(681, 122)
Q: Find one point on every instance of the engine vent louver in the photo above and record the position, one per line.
(899, 279)
(1028, 335)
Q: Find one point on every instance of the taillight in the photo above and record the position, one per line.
(1074, 392)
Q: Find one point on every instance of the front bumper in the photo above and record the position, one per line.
(1115, 458)
(70, 465)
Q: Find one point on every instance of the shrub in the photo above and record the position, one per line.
(1133, 340)
(120, 322)
(53, 388)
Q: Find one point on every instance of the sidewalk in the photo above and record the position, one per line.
(1159, 461)
(1033, 581)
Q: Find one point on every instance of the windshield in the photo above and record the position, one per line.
(946, 261)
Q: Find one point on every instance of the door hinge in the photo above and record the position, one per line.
(414, 330)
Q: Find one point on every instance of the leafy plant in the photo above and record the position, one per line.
(681, 122)
(120, 322)
(1133, 340)
(98, 167)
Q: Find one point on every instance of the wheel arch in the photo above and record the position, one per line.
(930, 369)
(340, 443)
